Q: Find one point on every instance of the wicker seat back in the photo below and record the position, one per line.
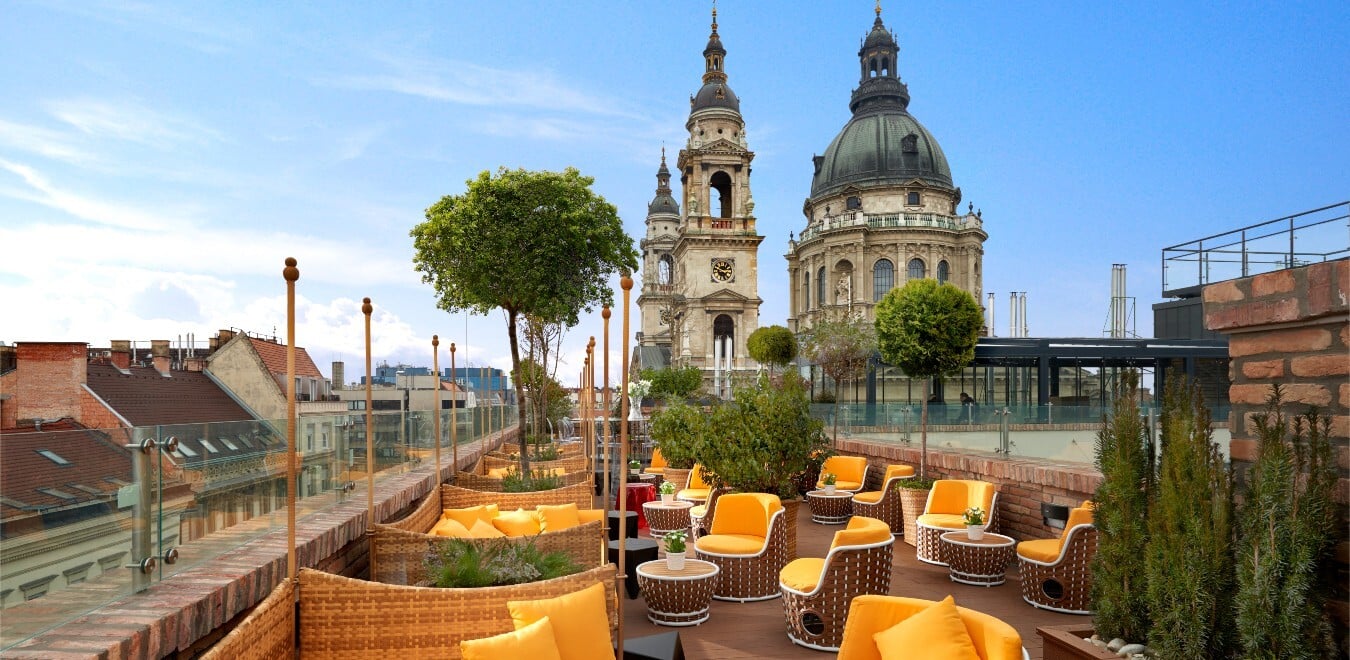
(455, 497)
(815, 619)
(494, 484)
(398, 556)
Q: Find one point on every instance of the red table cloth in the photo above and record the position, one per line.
(639, 493)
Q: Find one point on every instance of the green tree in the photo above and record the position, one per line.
(929, 330)
(673, 383)
(841, 349)
(1189, 557)
(546, 397)
(1121, 516)
(537, 243)
(764, 437)
(679, 431)
(543, 341)
(1287, 527)
(772, 345)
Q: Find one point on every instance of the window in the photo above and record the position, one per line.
(806, 291)
(231, 445)
(916, 269)
(209, 447)
(912, 199)
(820, 286)
(942, 272)
(910, 144)
(57, 493)
(721, 184)
(883, 278)
(853, 203)
(184, 450)
(53, 457)
(665, 270)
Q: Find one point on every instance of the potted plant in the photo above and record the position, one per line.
(667, 490)
(459, 563)
(637, 391)
(678, 430)
(675, 546)
(974, 519)
(829, 482)
(634, 467)
(913, 499)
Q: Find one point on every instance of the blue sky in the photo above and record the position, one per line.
(159, 161)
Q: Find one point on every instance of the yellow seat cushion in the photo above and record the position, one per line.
(862, 530)
(957, 495)
(943, 520)
(483, 529)
(730, 544)
(696, 481)
(468, 515)
(901, 471)
(698, 511)
(580, 622)
(802, 574)
(745, 514)
(936, 633)
(868, 497)
(535, 641)
(590, 515)
(450, 527)
(1079, 516)
(557, 517)
(849, 472)
(498, 473)
(1042, 550)
(693, 494)
(517, 523)
(840, 484)
(658, 461)
(655, 470)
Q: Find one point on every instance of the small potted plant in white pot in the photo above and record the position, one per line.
(667, 490)
(634, 467)
(829, 482)
(675, 549)
(974, 519)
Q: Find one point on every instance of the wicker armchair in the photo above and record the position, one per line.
(697, 489)
(817, 592)
(884, 504)
(993, 638)
(850, 473)
(947, 502)
(1056, 573)
(749, 544)
(701, 515)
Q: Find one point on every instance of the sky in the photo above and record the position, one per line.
(159, 161)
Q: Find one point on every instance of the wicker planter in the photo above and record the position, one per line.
(912, 503)
(678, 476)
(1066, 643)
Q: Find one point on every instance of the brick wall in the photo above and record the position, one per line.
(95, 414)
(49, 379)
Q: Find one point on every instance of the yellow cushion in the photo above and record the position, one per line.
(698, 511)
(1079, 516)
(841, 484)
(947, 496)
(1042, 550)
(730, 544)
(744, 513)
(934, 633)
(862, 530)
(580, 622)
(658, 460)
(590, 515)
(498, 473)
(535, 641)
(897, 471)
(696, 481)
(655, 470)
(847, 469)
(517, 523)
(693, 494)
(451, 528)
(943, 520)
(468, 515)
(868, 497)
(557, 517)
(802, 574)
(483, 529)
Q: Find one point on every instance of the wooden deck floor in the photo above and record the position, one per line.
(756, 630)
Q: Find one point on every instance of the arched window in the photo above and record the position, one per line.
(721, 182)
(883, 278)
(806, 291)
(942, 271)
(665, 270)
(916, 269)
(820, 287)
(724, 330)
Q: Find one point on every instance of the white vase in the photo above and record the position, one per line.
(667, 498)
(975, 532)
(634, 409)
(675, 561)
(829, 489)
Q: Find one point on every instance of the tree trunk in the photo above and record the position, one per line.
(835, 443)
(515, 371)
(923, 432)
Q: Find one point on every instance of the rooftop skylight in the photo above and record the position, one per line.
(53, 457)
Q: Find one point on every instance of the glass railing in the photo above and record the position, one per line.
(93, 515)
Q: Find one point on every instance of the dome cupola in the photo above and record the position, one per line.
(715, 93)
(663, 203)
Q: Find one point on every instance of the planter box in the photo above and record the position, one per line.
(1066, 643)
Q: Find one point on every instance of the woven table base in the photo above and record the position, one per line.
(677, 598)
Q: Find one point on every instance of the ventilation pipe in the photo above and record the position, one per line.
(989, 313)
(1012, 314)
(1022, 312)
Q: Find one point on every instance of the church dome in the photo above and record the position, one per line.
(715, 94)
(664, 202)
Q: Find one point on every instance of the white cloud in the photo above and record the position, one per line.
(45, 142)
(131, 121)
(40, 190)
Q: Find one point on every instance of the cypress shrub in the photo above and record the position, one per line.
(1121, 512)
(1287, 526)
(1189, 559)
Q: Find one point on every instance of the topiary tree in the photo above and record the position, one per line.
(537, 243)
(1189, 556)
(1121, 517)
(928, 330)
(1287, 529)
(772, 345)
(842, 350)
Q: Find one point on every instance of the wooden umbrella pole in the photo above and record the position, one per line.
(454, 416)
(627, 283)
(291, 273)
(605, 314)
(436, 411)
(366, 309)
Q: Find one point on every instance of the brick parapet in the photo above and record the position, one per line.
(188, 608)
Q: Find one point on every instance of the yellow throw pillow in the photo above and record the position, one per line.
(517, 523)
(590, 515)
(936, 633)
(483, 529)
(468, 515)
(535, 641)
(580, 622)
(557, 517)
(450, 527)
(498, 473)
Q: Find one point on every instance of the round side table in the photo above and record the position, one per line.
(981, 563)
(677, 598)
(665, 517)
(830, 509)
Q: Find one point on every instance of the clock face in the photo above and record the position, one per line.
(665, 317)
(723, 270)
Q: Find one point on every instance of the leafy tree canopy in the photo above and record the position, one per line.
(928, 329)
(673, 383)
(840, 348)
(773, 345)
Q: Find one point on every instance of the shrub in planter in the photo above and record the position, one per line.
(913, 498)
(679, 431)
(459, 563)
(765, 437)
(516, 482)
(1287, 528)
(1120, 516)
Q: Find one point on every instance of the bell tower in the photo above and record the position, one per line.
(657, 300)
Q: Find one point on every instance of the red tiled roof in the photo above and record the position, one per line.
(145, 398)
(96, 466)
(274, 357)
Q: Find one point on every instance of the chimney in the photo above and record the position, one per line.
(339, 375)
(159, 356)
(49, 377)
(194, 364)
(121, 354)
